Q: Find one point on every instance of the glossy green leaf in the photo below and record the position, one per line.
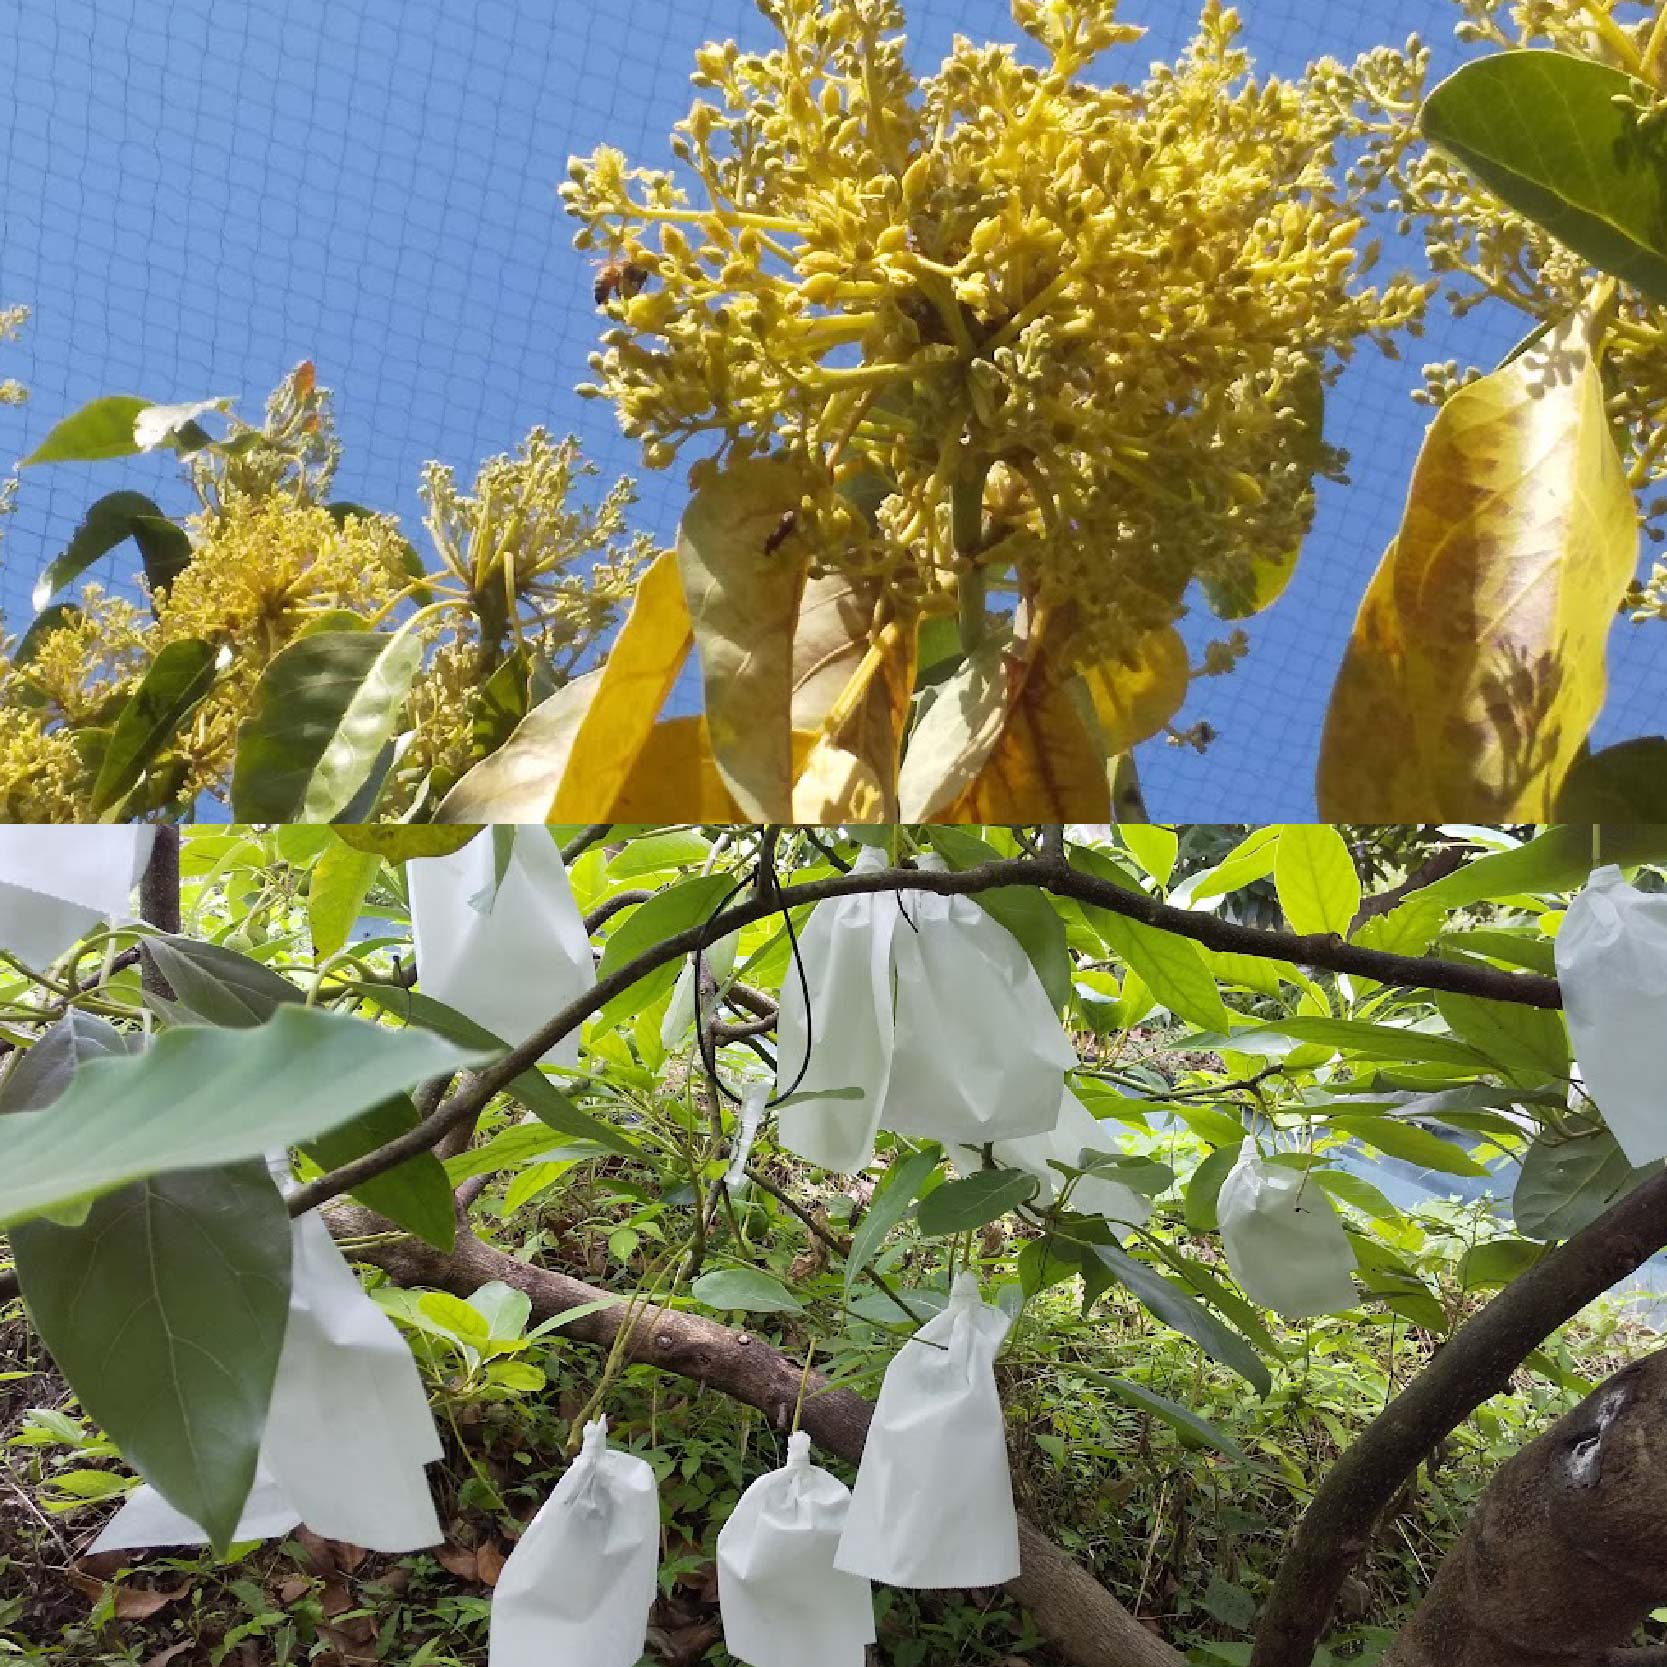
(532, 1088)
(414, 1193)
(1171, 967)
(1355, 1037)
(747, 1290)
(217, 985)
(891, 1203)
(106, 524)
(165, 1311)
(199, 1098)
(669, 911)
(1627, 781)
(964, 1205)
(325, 708)
(1557, 860)
(1203, 1191)
(1565, 1185)
(1315, 877)
(170, 691)
(1558, 137)
(1531, 1043)
(1185, 1314)
(1499, 1261)
(336, 894)
(1410, 1143)
(97, 431)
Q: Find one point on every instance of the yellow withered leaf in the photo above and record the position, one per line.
(1476, 667)
(1134, 701)
(851, 697)
(1048, 765)
(674, 778)
(743, 576)
(639, 673)
(518, 781)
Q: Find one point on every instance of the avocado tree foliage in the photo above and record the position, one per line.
(282, 1015)
(981, 379)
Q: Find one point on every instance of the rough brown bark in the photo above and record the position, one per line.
(1567, 1551)
(1475, 1364)
(1078, 1615)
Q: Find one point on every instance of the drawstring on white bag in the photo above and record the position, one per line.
(508, 954)
(780, 1598)
(348, 1430)
(1612, 965)
(835, 1031)
(579, 1585)
(59, 883)
(979, 1053)
(1077, 1131)
(933, 1501)
(1284, 1241)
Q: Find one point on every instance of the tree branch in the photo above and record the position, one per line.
(1313, 950)
(582, 842)
(1473, 1365)
(159, 902)
(1082, 1619)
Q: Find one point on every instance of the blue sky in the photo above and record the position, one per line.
(197, 196)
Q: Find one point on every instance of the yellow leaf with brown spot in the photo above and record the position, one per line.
(851, 694)
(639, 673)
(1134, 701)
(743, 575)
(1477, 663)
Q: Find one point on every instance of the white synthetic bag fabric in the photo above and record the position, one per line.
(679, 1017)
(846, 950)
(509, 959)
(59, 883)
(933, 1501)
(348, 1430)
(748, 1119)
(578, 1587)
(1612, 965)
(1284, 1241)
(979, 1054)
(781, 1600)
(1078, 1130)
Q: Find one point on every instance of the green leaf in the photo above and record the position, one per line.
(1514, 949)
(1625, 781)
(219, 985)
(748, 1289)
(1314, 875)
(41, 627)
(165, 1311)
(1353, 1190)
(1204, 1188)
(105, 525)
(1530, 1043)
(1355, 1037)
(1486, 1266)
(171, 690)
(97, 431)
(1171, 1412)
(336, 894)
(1565, 1185)
(199, 1098)
(655, 853)
(43, 1071)
(415, 1193)
(1153, 847)
(1185, 1314)
(1557, 860)
(1026, 911)
(400, 841)
(532, 1088)
(668, 912)
(1171, 967)
(1409, 1142)
(1558, 138)
(891, 1203)
(325, 708)
(961, 1206)
(1252, 859)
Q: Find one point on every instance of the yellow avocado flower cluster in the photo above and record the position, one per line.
(1019, 327)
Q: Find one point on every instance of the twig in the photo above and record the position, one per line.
(580, 843)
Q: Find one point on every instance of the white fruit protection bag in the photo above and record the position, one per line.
(59, 883)
(979, 1054)
(509, 956)
(846, 950)
(1612, 965)
(1077, 1131)
(933, 1501)
(578, 1587)
(782, 1601)
(348, 1431)
(1284, 1241)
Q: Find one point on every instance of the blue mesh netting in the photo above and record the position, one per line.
(198, 196)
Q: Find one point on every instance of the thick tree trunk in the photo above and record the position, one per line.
(1567, 1551)
(1077, 1614)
